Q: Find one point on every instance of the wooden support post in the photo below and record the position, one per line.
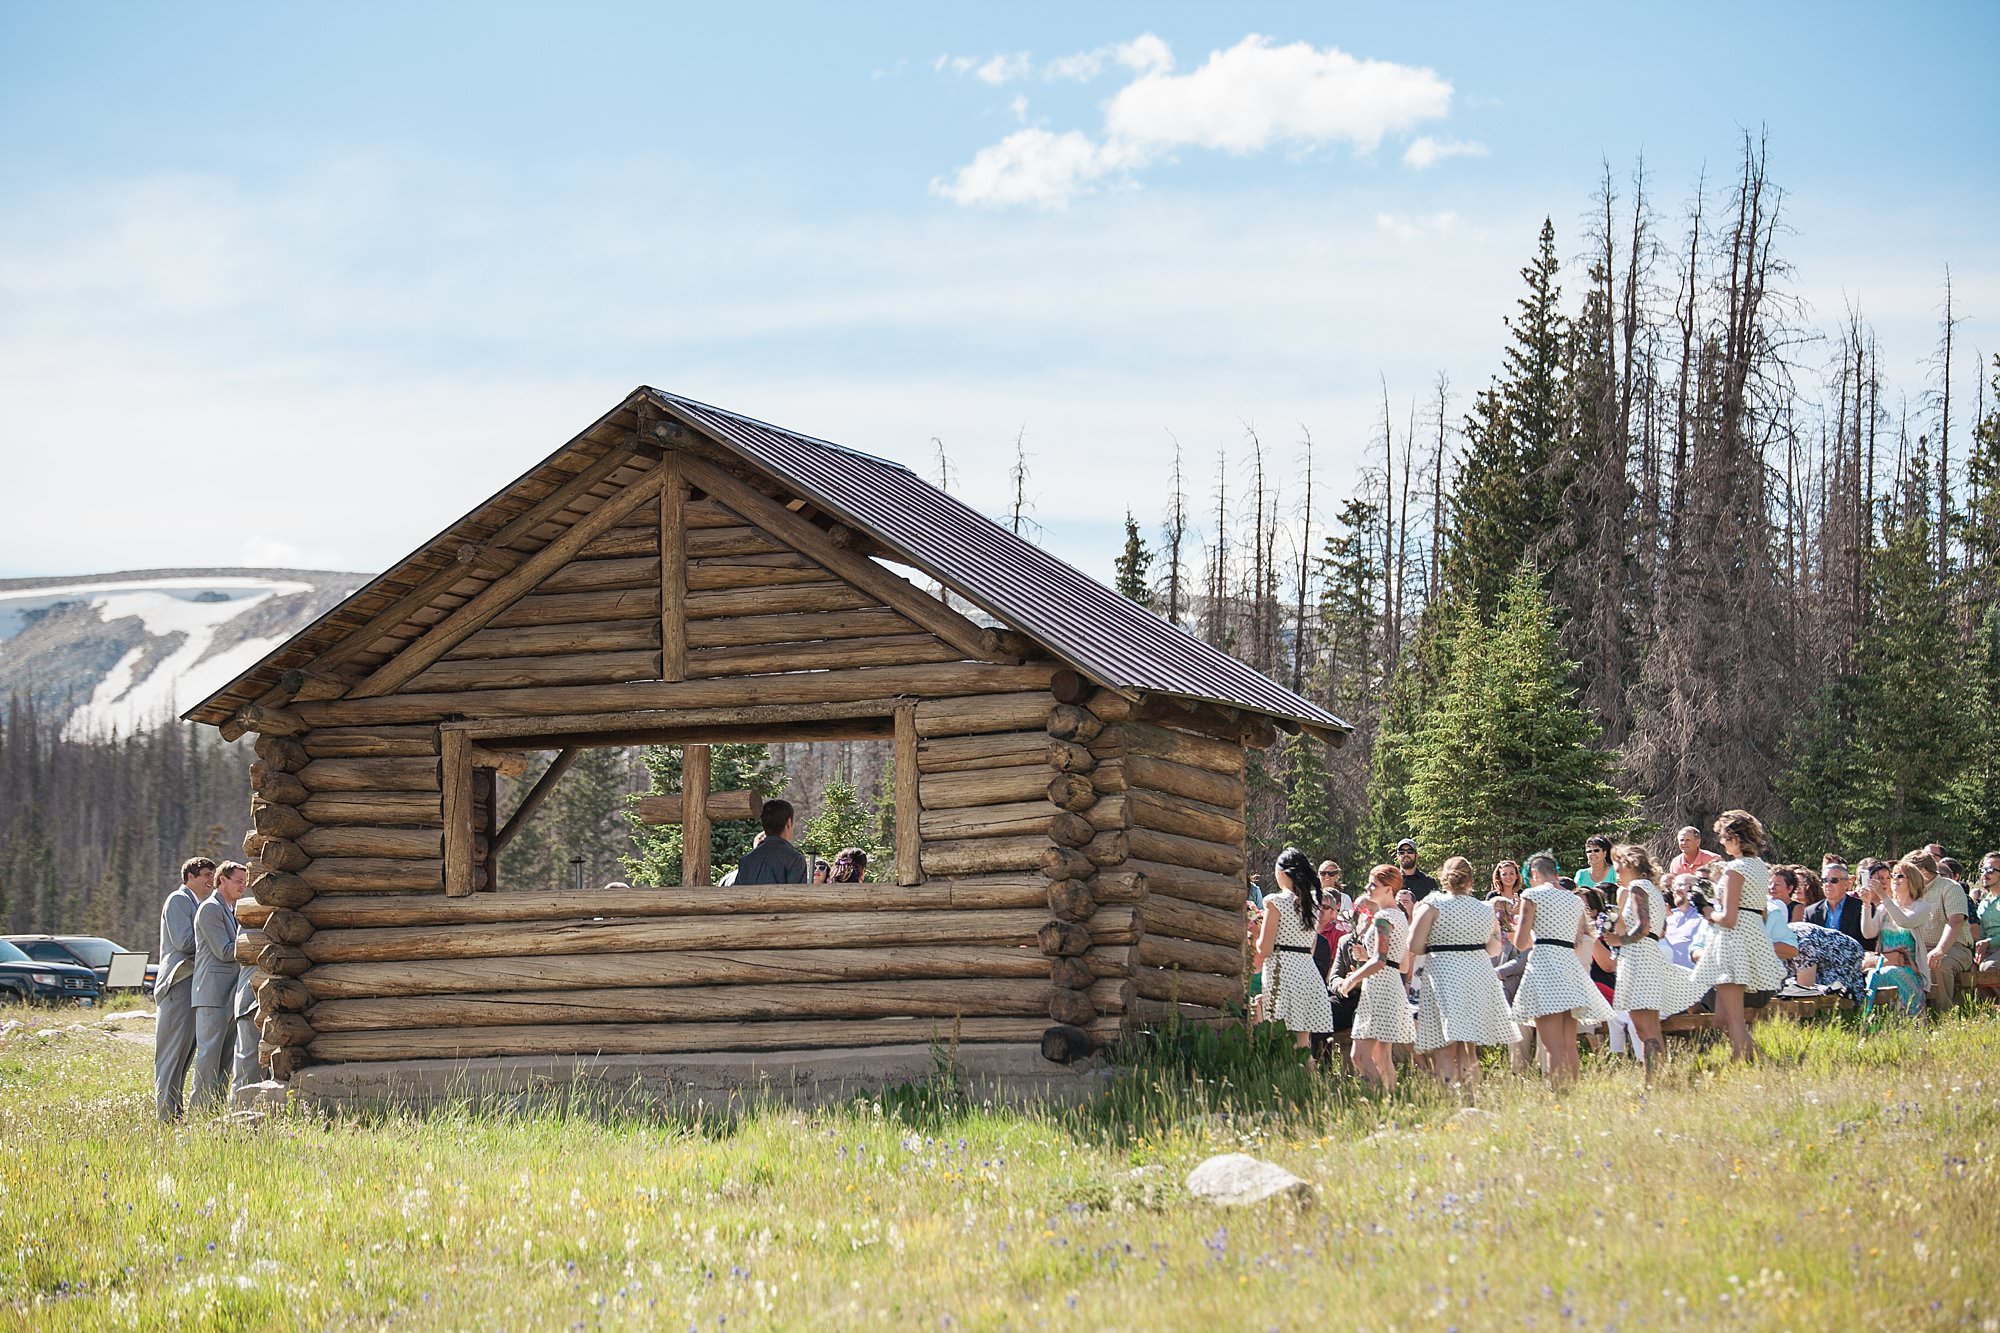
(696, 835)
(909, 833)
(673, 572)
(459, 880)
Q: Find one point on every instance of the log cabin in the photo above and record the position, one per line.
(1069, 771)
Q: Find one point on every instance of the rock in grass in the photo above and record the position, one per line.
(1235, 1179)
(256, 1096)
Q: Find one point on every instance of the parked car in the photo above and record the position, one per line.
(26, 979)
(91, 951)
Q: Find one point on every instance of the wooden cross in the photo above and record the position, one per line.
(696, 809)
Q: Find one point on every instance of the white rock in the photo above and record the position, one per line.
(1234, 1179)
(50, 1034)
(252, 1096)
(9, 1028)
(128, 1016)
(1471, 1117)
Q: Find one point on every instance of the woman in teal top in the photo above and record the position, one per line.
(1894, 972)
(1597, 872)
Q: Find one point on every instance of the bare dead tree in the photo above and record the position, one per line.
(1302, 638)
(1175, 534)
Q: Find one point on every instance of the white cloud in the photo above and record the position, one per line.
(1248, 98)
(1031, 166)
(1019, 106)
(1002, 68)
(1425, 151)
(1408, 227)
(1146, 54)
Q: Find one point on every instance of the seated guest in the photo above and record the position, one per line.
(1693, 857)
(1828, 960)
(822, 873)
(774, 860)
(1987, 911)
(1839, 909)
(1895, 975)
(1778, 904)
(1810, 894)
(1684, 921)
(1950, 962)
(851, 866)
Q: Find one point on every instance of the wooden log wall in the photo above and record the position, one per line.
(1154, 788)
(1072, 865)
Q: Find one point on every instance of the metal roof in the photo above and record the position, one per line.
(1107, 637)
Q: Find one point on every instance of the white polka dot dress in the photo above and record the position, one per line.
(1383, 1013)
(1459, 997)
(1647, 978)
(1555, 979)
(1742, 955)
(1296, 991)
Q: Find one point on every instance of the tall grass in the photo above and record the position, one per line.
(1849, 1181)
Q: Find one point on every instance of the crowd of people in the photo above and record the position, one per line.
(1438, 967)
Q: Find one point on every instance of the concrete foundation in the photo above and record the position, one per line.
(1009, 1073)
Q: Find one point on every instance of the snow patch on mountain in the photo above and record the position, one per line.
(177, 637)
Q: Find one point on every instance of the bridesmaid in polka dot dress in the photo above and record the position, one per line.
(1382, 1019)
(1739, 956)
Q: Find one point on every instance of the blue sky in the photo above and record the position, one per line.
(311, 281)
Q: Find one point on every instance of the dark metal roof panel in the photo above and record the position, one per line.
(1106, 636)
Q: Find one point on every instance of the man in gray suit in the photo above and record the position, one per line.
(217, 976)
(173, 1035)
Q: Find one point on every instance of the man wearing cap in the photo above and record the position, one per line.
(1420, 885)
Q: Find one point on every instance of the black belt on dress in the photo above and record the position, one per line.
(1560, 944)
(1453, 948)
(1294, 948)
(1753, 911)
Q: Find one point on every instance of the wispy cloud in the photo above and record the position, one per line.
(1005, 67)
(1409, 227)
(1425, 151)
(1249, 98)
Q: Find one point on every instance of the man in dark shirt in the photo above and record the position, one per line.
(774, 860)
(1420, 885)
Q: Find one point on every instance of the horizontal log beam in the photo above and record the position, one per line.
(974, 856)
(666, 1039)
(692, 968)
(360, 874)
(421, 809)
(1166, 951)
(358, 840)
(510, 673)
(991, 786)
(581, 575)
(579, 608)
(972, 891)
(381, 775)
(967, 996)
(1186, 818)
(1019, 819)
(958, 754)
(1206, 887)
(729, 805)
(599, 636)
(797, 627)
(770, 930)
(1156, 983)
(1188, 921)
(1145, 773)
(981, 712)
(530, 732)
(371, 743)
(759, 659)
(727, 603)
(1148, 845)
(800, 687)
(753, 571)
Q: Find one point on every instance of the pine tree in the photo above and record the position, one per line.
(885, 805)
(842, 822)
(1978, 796)
(1133, 562)
(656, 854)
(1511, 479)
(1308, 802)
(1504, 762)
(1909, 707)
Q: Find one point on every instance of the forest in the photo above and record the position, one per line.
(1688, 549)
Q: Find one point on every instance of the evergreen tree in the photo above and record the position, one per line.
(1350, 592)
(1823, 775)
(842, 822)
(1979, 785)
(1511, 479)
(656, 849)
(885, 806)
(1308, 802)
(1133, 562)
(1504, 762)
(580, 818)
(1412, 693)
(1909, 724)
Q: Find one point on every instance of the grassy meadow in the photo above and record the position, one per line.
(1849, 1181)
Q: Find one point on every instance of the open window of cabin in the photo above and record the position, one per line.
(473, 753)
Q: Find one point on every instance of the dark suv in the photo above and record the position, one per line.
(23, 978)
(91, 951)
